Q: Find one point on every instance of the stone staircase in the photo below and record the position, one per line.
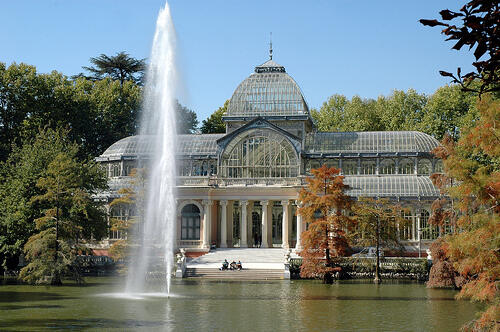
(258, 264)
(245, 274)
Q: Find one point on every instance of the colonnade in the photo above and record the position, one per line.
(417, 230)
(245, 223)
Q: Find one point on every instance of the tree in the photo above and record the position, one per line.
(340, 114)
(29, 100)
(477, 28)
(187, 121)
(18, 178)
(378, 224)
(214, 124)
(401, 110)
(121, 67)
(70, 214)
(324, 206)
(474, 165)
(447, 110)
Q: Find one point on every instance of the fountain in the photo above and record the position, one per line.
(155, 249)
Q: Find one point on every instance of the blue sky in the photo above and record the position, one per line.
(364, 48)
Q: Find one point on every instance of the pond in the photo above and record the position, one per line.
(203, 305)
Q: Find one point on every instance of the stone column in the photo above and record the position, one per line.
(250, 224)
(298, 245)
(243, 224)
(223, 224)
(207, 209)
(264, 205)
(284, 241)
(230, 212)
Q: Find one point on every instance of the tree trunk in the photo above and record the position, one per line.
(377, 279)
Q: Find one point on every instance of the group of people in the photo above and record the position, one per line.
(232, 266)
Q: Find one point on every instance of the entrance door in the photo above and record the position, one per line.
(277, 226)
(256, 230)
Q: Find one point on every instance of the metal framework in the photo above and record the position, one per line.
(369, 142)
(270, 91)
(259, 153)
(391, 186)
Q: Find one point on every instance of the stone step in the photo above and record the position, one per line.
(248, 274)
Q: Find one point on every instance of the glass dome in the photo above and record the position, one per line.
(270, 91)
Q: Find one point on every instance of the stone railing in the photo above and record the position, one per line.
(364, 267)
(188, 243)
(238, 182)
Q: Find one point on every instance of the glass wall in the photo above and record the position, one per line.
(260, 153)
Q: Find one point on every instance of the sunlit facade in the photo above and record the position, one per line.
(240, 189)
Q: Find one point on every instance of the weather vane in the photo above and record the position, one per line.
(271, 46)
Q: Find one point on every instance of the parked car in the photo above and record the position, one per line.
(369, 252)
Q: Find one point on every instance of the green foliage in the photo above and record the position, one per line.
(44, 181)
(444, 112)
(448, 110)
(46, 265)
(121, 67)
(214, 124)
(378, 222)
(187, 121)
(393, 268)
(29, 100)
(19, 176)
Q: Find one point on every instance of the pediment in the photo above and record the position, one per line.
(259, 123)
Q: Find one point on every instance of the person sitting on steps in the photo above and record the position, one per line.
(225, 265)
(239, 266)
(233, 266)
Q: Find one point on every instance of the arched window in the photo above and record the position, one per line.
(115, 170)
(429, 232)
(190, 222)
(405, 231)
(387, 166)
(368, 166)
(406, 166)
(424, 167)
(119, 215)
(260, 153)
(349, 167)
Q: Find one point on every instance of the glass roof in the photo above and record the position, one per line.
(205, 144)
(369, 142)
(270, 91)
(143, 145)
(390, 186)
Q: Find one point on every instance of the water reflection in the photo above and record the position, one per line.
(236, 306)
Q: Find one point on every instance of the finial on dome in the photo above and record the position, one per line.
(271, 46)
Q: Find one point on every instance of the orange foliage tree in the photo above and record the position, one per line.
(324, 204)
(472, 180)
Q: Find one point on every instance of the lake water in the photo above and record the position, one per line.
(203, 305)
